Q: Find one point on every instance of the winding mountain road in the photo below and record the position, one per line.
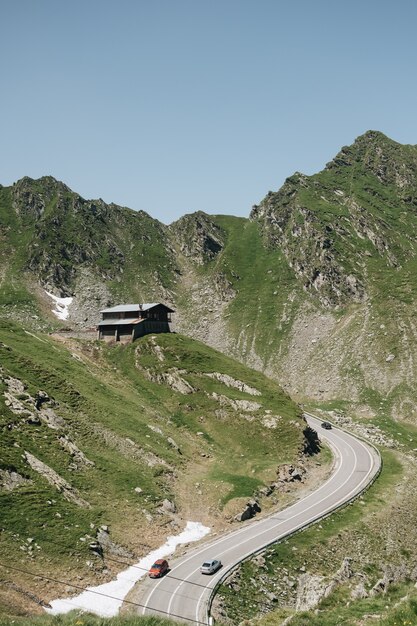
(184, 594)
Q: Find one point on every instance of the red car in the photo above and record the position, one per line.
(159, 568)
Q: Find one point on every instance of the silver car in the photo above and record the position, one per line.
(209, 567)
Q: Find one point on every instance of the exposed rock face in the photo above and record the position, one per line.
(77, 245)
(359, 592)
(232, 382)
(21, 403)
(290, 473)
(90, 294)
(10, 480)
(168, 506)
(312, 589)
(312, 442)
(172, 379)
(51, 419)
(271, 421)
(199, 237)
(237, 405)
(108, 546)
(297, 230)
(250, 511)
(54, 479)
(79, 460)
(29, 201)
(173, 444)
(127, 447)
(296, 218)
(345, 572)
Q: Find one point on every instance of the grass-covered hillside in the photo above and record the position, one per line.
(55, 240)
(138, 439)
(318, 288)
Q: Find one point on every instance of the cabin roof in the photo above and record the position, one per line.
(124, 308)
(118, 322)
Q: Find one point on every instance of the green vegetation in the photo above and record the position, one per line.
(137, 431)
(50, 232)
(243, 447)
(317, 289)
(263, 281)
(84, 619)
(396, 608)
(318, 550)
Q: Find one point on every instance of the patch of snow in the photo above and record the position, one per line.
(61, 306)
(106, 600)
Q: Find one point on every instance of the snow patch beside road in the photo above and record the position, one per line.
(106, 600)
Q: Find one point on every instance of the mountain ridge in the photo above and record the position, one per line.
(271, 290)
(316, 289)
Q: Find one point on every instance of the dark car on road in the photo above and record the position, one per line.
(326, 425)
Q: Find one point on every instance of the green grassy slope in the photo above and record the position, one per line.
(377, 534)
(116, 406)
(321, 282)
(50, 234)
(349, 223)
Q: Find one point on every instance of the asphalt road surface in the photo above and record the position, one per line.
(184, 594)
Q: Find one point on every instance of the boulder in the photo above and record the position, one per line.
(359, 592)
(40, 398)
(250, 511)
(289, 473)
(168, 506)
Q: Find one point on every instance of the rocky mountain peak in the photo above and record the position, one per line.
(358, 198)
(31, 197)
(377, 155)
(199, 237)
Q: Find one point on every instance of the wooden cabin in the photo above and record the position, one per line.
(127, 322)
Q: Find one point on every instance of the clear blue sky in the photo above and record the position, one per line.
(173, 106)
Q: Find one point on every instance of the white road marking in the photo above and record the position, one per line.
(339, 464)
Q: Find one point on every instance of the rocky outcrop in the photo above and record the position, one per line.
(311, 590)
(10, 480)
(49, 416)
(327, 224)
(108, 546)
(126, 446)
(312, 443)
(289, 473)
(168, 506)
(237, 405)
(250, 510)
(79, 460)
(54, 479)
(32, 409)
(199, 238)
(232, 382)
(172, 379)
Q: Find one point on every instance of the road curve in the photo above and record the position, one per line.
(184, 594)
